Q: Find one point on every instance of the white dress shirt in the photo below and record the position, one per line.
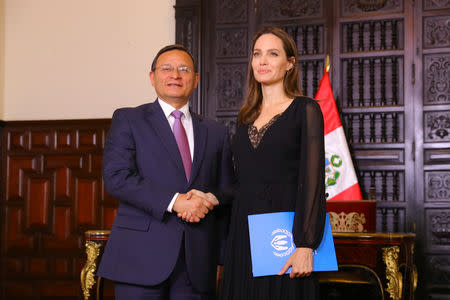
(186, 120)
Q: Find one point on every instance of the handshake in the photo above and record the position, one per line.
(194, 205)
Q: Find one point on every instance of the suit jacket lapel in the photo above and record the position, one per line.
(200, 136)
(161, 126)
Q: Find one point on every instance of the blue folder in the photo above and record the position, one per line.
(271, 244)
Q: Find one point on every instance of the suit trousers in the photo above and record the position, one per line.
(176, 287)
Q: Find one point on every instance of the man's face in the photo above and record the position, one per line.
(174, 77)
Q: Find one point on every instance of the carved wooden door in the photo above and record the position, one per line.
(431, 57)
(390, 69)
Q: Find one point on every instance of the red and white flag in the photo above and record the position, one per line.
(340, 177)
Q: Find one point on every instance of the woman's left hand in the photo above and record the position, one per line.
(301, 262)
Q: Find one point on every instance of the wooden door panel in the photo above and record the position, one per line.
(372, 35)
(293, 10)
(352, 8)
(372, 80)
(433, 165)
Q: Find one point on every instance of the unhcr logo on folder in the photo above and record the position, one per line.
(282, 242)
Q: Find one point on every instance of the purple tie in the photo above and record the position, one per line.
(182, 141)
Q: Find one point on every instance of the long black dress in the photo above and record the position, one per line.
(284, 172)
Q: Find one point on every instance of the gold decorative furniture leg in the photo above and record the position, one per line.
(95, 243)
(88, 271)
(393, 276)
(414, 276)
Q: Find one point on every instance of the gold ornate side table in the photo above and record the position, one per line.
(386, 257)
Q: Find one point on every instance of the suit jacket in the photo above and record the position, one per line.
(142, 167)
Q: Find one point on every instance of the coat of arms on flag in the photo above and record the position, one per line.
(340, 178)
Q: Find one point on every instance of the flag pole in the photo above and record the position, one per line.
(327, 64)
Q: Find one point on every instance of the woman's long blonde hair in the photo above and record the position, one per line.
(252, 104)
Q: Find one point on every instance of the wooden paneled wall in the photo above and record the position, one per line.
(51, 193)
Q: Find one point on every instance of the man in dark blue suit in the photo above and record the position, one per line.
(163, 161)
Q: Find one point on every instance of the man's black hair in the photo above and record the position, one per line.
(170, 48)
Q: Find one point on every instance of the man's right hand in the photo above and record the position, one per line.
(192, 204)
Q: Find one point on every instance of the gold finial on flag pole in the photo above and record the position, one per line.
(327, 63)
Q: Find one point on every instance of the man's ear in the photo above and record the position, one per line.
(197, 77)
(152, 78)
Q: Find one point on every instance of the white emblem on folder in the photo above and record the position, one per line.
(282, 242)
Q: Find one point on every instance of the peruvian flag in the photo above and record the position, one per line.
(340, 177)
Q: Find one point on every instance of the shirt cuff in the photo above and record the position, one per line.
(169, 208)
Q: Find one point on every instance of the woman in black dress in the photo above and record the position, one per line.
(279, 158)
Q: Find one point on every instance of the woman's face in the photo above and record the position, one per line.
(269, 61)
